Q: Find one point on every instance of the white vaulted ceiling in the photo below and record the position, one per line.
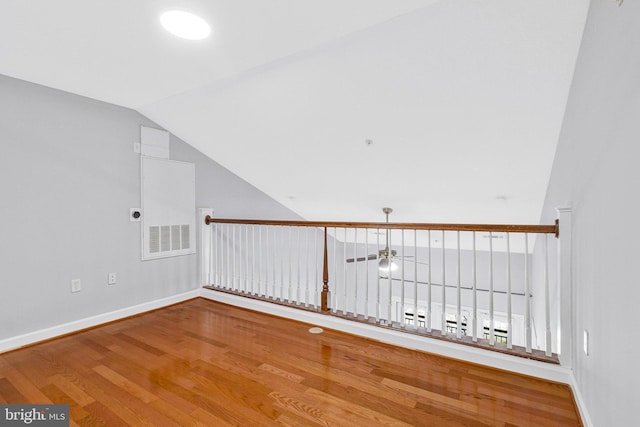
(463, 100)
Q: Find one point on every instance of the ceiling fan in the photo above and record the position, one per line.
(386, 256)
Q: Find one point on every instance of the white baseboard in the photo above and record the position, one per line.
(582, 406)
(77, 325)
(475, 355)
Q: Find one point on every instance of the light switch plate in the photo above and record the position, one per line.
(585, 342)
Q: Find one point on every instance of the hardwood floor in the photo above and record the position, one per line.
(210, 364)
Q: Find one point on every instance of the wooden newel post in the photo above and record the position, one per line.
(324, 298)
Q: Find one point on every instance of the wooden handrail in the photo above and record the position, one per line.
(496, 228)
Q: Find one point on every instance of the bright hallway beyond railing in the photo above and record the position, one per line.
(491, 286)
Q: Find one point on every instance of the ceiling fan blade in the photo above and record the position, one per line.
(416, 262)
(368, 257)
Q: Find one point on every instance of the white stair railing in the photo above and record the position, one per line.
(469, 283)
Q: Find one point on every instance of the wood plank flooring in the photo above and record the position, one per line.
(203, 363)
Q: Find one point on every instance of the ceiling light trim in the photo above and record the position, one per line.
(185, 25)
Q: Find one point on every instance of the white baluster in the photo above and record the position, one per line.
(253, 259)
(474, 336)
(239, 248)
(459, 308)
(415, 279)
(264, 264)
(219, 255)
(509, 316)
(277, 255)
(527, 306)
(234, 275)
(334, 292)
(402, 304)
(307, 266)
(270, 261)
(427, 314)
(256, 261)
(239, 257)
(298, 267)
(377, 278)
(355, 269)
(244, 253)
(224, 254)
(443, 330)
(279, 249)
(260, 258)
(366, 274)
(278, 261)
(390, 302)
(344, 282)
(316, 289)
(291, 246)
(282, 257)
(213, 254)
(492, 337)
(228, 258)
(547, 303)
(247, 275)
(218, 275)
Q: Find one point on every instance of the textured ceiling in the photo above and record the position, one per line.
(461, 101)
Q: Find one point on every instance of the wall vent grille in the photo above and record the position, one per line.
(154, 240)
(168, 238)
(186, 232)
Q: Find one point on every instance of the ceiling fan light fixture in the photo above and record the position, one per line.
(385, 266)
(185, 25)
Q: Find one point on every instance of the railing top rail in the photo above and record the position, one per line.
(496, 228)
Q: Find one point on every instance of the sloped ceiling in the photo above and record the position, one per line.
(448, 111)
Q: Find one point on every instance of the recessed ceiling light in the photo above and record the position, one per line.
(185, 25)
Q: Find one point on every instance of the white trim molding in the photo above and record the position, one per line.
(580, 403)
(565, 281)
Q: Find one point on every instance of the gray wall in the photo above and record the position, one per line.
(596, 171)
(68, 176)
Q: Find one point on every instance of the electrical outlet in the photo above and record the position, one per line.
(113, 278)
(585, 342)
(76, 285)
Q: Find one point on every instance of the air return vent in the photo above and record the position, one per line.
(166, 239)
(154, 240)
(184, 235)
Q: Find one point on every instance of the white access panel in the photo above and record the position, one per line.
(154, 142)
(168, 208)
